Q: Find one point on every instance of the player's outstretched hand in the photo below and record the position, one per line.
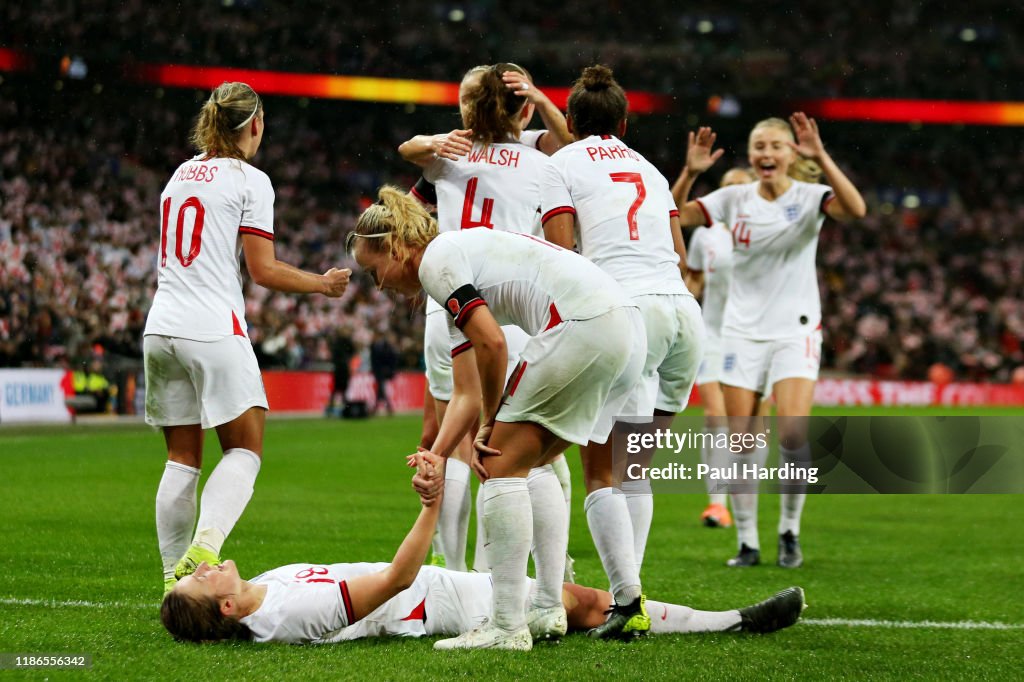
(453, 145)
(481, 450)
(699, 156)
(428, 482)
(336, 281)
(808, 139)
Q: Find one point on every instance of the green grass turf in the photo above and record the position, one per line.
(77, 511)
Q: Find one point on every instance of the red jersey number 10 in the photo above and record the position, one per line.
(641, 194)
(196, 242)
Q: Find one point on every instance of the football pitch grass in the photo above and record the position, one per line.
(897, 586)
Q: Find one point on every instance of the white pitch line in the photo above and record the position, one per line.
(910, 624)
(826, 622)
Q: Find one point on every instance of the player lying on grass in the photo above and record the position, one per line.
(315, 603)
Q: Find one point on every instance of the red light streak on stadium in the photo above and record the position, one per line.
(916, 111)
(12, 60)
(348, 87)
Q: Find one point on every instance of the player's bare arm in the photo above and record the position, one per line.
(694, 282)
(699, 158)
(271, 273)
(368, 592)
(560, 229)
(848, 204)
(423, 149)
(558, 134)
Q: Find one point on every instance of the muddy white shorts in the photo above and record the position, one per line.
(675, 340)
(574, 378)
(200, 382)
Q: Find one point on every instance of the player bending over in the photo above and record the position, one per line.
(315, 603)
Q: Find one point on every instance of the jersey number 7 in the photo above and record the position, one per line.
(198, 217)
(641, 194)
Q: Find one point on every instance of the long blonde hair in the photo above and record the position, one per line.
(397, 224)
(802, 168)
(219, 124)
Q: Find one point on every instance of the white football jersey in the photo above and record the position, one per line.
(523, 280)
(205, 208)
(495, 186)
(309, 603)
(774, 290)
(622, 206)
(710, 252)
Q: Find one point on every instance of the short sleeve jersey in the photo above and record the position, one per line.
(710, 252)
(205, 208)
(774, 290)
(522, 279)
(495, 186)
(310, 603)
(622, 206)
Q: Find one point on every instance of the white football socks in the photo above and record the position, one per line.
(744, 504)
(453, 523)
(508, 523)
(640, 502)
(175, 513)
(550, 536)
(792, 503)
(612, 530)
(225, 495)
(717, 459)
(666, 618)
(561, 468)
(480, 564)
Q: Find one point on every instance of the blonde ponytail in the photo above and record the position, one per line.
(230, 107)
(404, 223)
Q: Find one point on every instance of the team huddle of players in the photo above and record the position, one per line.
(556, 276)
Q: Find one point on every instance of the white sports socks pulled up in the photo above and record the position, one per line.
(561, 469)
(453, 523)
(612, 530)
(175, 513)
(666, 618)
(550, 535)
(791, 500)
(508, 524)
(640, 502)
(225, 495)
(480, 564)
(715, 458)
(744, 504)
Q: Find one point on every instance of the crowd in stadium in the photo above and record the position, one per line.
(927, 49)
(933, 274)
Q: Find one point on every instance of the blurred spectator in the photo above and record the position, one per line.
(384, 365)
(91, 381)
(342, 350)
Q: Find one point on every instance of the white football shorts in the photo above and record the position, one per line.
(675, 340)
(759, 365)
(437, 353)
(457, 601)
(200, 382)
(710, 370)
(574, 378)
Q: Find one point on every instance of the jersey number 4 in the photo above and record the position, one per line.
(196, 242)
(741, 234)
(641, 194)
(467, 209)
